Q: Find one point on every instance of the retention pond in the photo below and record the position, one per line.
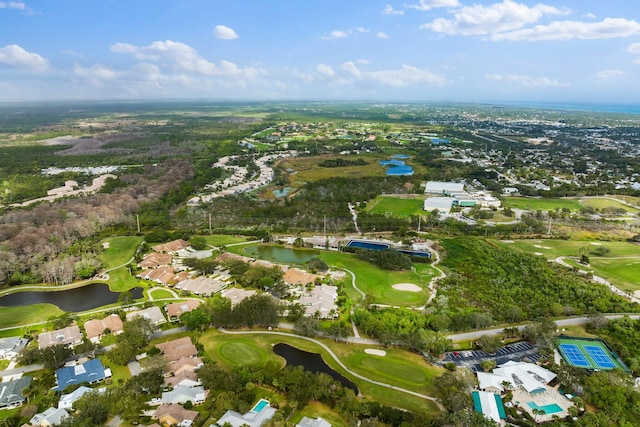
(311, 362)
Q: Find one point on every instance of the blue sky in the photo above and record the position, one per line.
(411, 50)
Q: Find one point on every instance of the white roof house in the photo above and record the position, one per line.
(313, 422)
(10, 347)
(491, 382)
(50, 417)
(67, 400)
(181, 394)
(444, 188)
(251, 419)
(489, 405)
(531, 377)
(152, 313)
(441, 204)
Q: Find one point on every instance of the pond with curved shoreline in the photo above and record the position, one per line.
(312, 362)
(280, 254)
(82, 298)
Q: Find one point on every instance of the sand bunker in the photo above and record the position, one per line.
(537, 246)
(538, 253)
(409, 287)
(595, 243)
(375, 351)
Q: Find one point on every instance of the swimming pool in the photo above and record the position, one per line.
(548, 409)
(363, 244)
(262, 403)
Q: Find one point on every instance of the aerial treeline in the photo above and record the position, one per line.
(402, 327)
(257, 310)
(388, 259)
(316, 205)
(57, 242)
(623, 335)
(507, 285)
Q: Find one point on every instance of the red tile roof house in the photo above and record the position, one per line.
(163, 275)
(176, 349)
(171, 247)
(70, 336)
(176, 309)
(96, 327)
(174, 414)
(156, 259)
(185, 364)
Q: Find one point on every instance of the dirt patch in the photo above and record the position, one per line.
(375, 351)
(409, 287)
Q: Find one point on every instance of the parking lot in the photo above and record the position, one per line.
(471, 359)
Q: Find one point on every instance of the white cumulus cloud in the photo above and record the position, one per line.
(607, 74)
(496, 18)
(18, 5)
(182, 57)
(389, 10)
(325, 70)
(97, 75)
(343, 34)
(15, 56)
(404, 76)
(224, 33)
(382, 35)
(430, 4)
(527, 81)
(568, 30)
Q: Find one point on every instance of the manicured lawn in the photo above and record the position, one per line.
(223, 239)
(395, 206)
(121, 250)
(623, 273)
(161, 293)
(556, 248)
(25, 315)
(120, 280)
(214, 343)
(317, 409)
(117, 371)
(603, 203)
(244, 353)
(378, 283)
(532, 204)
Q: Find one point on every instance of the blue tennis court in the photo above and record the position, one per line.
(575, 356)
(599, 356)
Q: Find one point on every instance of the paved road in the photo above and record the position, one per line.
(339, 362)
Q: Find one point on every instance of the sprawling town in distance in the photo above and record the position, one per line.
(318, 264)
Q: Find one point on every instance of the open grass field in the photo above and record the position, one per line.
(623, 273)
(25, 315)
(607, 203)
(228, 350)
(223, 239)
(378, 283)
(532, 204)
(395, 206)
(120, 251)
(160, 293)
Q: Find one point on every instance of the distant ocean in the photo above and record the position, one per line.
(588, 107)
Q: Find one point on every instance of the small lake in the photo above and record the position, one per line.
(311, 362)
(397, 167)
(280, 254)
(78, 299)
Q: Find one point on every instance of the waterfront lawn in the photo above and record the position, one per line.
(534, 204)
(120, 251)
(160, 294)
(26, 315)
(121, 280)
(223, 239)
(395, 206)
(257, 345)
(378, 283)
